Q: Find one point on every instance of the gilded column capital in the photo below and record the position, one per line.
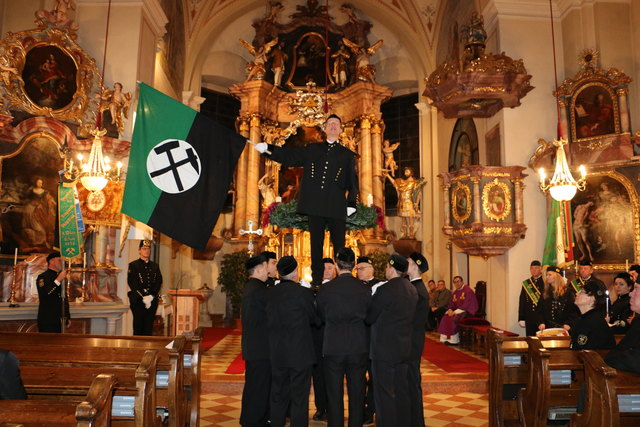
(376, 127)
(255, 120)
(365, 123)
(623, 91)
(243, 123)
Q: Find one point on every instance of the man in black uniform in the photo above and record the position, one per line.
(255, 345)
(532, 288)
(585, 275)
(343, 304)
(290, 314)
(50, 313)
(365, 272)
(626, 355)
(393, 307)
(145, 280)
(329, 173)
(418, 265)
(272, 272)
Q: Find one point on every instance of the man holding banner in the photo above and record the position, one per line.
(51, 315)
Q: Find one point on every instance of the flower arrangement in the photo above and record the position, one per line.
(285, 215)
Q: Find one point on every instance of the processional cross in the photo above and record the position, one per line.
(251, 232)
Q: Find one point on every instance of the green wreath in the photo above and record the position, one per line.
(285, 215)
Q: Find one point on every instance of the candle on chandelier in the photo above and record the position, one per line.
(370, 200)
(15, 257)
(583, 171)
(543, 176)
(119, 166)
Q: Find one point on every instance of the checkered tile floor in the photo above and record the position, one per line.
(218, 409)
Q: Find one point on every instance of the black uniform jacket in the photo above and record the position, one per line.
(620, 310)
(626, 355)
(144, 278)
(255, 331)
(591, 332)
(526, 307)
(329, 172)
(49, 295)
(556, 312)
(393, 307)
(343, 304)
(420, 319)
(290, 314)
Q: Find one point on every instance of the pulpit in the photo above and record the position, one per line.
(186, 308)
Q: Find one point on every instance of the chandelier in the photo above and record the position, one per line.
(97, 171)
(562, 185)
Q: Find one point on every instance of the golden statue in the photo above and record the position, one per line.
(256, 67)
(117, 102)
(364, 71)
(340, 67)
(409, 191)
(390, 164)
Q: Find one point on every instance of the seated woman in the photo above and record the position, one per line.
(620, 311)
(591, 331)
(556, 308)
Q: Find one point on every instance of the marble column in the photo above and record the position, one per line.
(376, 162)
(366, 170)
(253, 172)
(519, 187)
(477, 202)
(447, 203)
(239, 213)
(624, 110)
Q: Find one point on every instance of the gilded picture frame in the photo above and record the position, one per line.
(496, 200)
(55, 77)
(461, 202)
(594, 112)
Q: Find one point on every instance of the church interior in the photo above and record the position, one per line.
(488, 134)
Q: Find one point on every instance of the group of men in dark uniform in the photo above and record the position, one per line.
(369, 325)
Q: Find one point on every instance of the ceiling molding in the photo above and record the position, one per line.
(156, 18)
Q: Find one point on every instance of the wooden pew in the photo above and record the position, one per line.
(541, 393)
(604, 386)
(505, 379)
(171, 396)
(94, 410)
(69, 382)
(192, 370)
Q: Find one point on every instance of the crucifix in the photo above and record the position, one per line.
(251, 232)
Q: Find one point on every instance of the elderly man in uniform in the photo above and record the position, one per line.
(391, 316)
(50, 312)
(585, 275)
(625, 356)
(255, 345)
(343, 304)
(529, 296)
(418, 265)
(463, 303)
(144, 280)
(272, 272)
(329, 175)
(291, 313)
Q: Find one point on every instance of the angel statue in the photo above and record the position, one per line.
(117, 102)
(364, 71)
(409, 191)
(390, 164)
(256, 67)
(340, 67)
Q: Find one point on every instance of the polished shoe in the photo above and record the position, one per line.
(320, 415)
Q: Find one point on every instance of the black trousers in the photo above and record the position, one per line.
(369, 399)
(317, 225)
(392, 395)
(11, 386)
(255, 394)
(290, 386)
(352, 366)
(317, 374)
(414, 380)
(143, 317)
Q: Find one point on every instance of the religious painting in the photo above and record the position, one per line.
(49, 77)
(496, 200)
(594, 112)
(463, 149)
(29, 198)
(461, 202)
(603, 220)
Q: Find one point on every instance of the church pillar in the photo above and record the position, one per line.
(624, 110)
(376, 162)
(253, 172)
(241, 181)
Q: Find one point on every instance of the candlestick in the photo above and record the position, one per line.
(84, 260)
(15, 257)
(607, 301)
(626, 265)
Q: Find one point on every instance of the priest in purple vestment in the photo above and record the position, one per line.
(463, 303)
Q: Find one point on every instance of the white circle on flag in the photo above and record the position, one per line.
(174, 166)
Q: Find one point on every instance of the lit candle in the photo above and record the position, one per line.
(15, 257)
(370, 200)
(119, 166)
(626, 265)
(543, 176)
(84, 260)
(583, 171)
(607, 292)
(71, 166)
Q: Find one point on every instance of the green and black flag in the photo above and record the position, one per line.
(180, 168)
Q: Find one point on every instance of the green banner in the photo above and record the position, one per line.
(69, 235)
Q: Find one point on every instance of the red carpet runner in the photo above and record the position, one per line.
(447, 358)
(450, 359)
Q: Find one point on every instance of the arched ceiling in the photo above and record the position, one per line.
(216, 58)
